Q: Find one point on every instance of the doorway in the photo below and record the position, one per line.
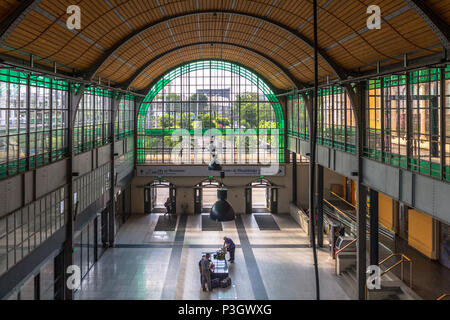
(205, 195)
(156, 195)
(261, 196)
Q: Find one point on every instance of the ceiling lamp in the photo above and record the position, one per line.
(222, 209)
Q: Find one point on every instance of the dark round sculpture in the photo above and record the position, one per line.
(222, 210)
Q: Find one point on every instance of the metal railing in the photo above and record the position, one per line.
(401, 262)
(335, 255)
(340, 211)
(340, 198)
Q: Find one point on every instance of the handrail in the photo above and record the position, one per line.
(339, 210)
(346, 246)
(404, 259)
(445, 295)
(335, 255)
(340, 198)
(343, 213)
(401, 262)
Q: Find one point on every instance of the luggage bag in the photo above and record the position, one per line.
(225, 283)
(215, 283)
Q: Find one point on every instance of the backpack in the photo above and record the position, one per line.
(225, 283)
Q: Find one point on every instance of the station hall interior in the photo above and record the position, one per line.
(135, 136)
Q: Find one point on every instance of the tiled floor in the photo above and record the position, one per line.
(164, 265)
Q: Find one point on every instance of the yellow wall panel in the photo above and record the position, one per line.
(354, 192)
(420, 233)
(385, 211)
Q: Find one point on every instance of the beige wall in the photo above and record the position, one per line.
(303, 185)
(330, 177)
(236, 192)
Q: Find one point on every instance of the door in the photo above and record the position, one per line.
(105, 227)
(348, 190)
(444, 244)
(173, 198)
(95, 240)
(147, 200)
(198, 200)
(153, 194)
(248, 200)
(124, 209)
(274, 200)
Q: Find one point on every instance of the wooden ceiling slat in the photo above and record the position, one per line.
(229, 53)
(7, 7)
(338, 21)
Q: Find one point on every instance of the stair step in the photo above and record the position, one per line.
(348, 279)
(353, 277)
(348, 284)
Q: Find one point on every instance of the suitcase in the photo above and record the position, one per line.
(225, 283)
(215, 283)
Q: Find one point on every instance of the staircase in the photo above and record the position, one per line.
(391, 288)
(347, 280)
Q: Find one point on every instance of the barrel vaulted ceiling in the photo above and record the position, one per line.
(133, 42)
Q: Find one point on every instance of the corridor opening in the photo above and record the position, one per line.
(156, 195)
(261, 196)
(205, 195)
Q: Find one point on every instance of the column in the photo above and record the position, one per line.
(112, 171)
(374, 258)
(320, 205)
(73, 100)
(361, 208)
(294, 178)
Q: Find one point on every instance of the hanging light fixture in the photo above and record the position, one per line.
(222, 209)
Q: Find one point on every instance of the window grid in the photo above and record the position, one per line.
(33, 121)
(25, 229)
(92, 121)
(392, 122)
(209, 98)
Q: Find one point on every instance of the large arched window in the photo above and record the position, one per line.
(206, 101)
